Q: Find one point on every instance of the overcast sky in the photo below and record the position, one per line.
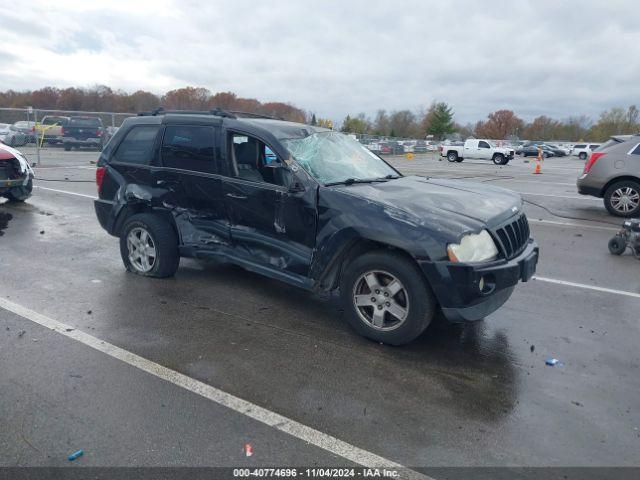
(558, 58)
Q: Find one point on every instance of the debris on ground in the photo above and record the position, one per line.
(88, 312)
(553, 362)
(248, 449)
(41, 232)
(75, 455)
(533, 347)
(68, 329)
(21, 333)
(577, 404)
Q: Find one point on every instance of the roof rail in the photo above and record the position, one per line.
(254, 115)
(161, 111)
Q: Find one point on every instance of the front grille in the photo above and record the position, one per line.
(512, 237)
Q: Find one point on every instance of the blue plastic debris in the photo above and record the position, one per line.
(75, 455)
(553, 362)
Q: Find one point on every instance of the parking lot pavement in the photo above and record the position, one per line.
(459, 396)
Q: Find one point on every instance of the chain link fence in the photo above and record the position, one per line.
(44, 128)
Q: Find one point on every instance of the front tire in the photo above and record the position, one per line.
(452, 157)
(386, 297)
(617, 245)
(20, 194)
(622, 199)
(149, 246)
(499, 159)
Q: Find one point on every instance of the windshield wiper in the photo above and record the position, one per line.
(351, 181)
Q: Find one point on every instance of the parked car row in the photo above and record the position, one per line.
(71, 132)
(9, 135)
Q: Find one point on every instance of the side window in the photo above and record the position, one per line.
(189, 147)
(137, 145)
(636, 150)
(251, 159)
(483, 145)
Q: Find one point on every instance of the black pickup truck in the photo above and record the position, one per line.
(83, 132)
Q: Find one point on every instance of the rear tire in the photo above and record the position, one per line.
(617, 245)
(622, 199)
(582, 156)
(149, 236)
(410, 297)
(452, 156)
(67, 148)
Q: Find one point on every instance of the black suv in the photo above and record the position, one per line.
(313, 208)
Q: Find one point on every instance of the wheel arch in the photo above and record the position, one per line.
(330, 278)
(130, 209)
(616, 180)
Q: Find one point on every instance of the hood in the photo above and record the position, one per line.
(472, 204)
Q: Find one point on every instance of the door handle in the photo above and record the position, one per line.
(236, 196)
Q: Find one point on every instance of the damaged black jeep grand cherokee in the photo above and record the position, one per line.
(315, 209)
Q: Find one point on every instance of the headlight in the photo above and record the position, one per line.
(473, 248)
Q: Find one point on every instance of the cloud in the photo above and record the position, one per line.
(338, 57)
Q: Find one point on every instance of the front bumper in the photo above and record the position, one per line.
(457, 286)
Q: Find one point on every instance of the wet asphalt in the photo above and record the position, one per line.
(461, 395)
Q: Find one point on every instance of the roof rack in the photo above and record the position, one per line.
(253, 115)
(214, 111)
(218, 112)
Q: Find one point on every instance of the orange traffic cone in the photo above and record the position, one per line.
(538, 169)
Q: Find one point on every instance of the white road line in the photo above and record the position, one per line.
(260, 414)
(588, 287)
(65, 191)
(568, 224)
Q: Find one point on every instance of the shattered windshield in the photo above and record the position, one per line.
(333, 157)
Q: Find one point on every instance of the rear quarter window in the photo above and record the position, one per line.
(635, 150)
(137, 145)
(189, 147)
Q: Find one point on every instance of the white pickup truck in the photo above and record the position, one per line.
(477, 148)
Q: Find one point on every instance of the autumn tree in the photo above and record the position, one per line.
(499, 125)
(541, 128)
(616, 121)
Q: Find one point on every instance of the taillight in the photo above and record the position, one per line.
(99, 133)
(100, 171)
(61, 130)
(592, 161)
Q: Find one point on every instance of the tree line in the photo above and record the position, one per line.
(438, 122)
(101, 98)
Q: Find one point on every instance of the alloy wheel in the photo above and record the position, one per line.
(625, 200)
(381, 300)
(142, 250)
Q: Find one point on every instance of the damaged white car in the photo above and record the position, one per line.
(16, 175)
